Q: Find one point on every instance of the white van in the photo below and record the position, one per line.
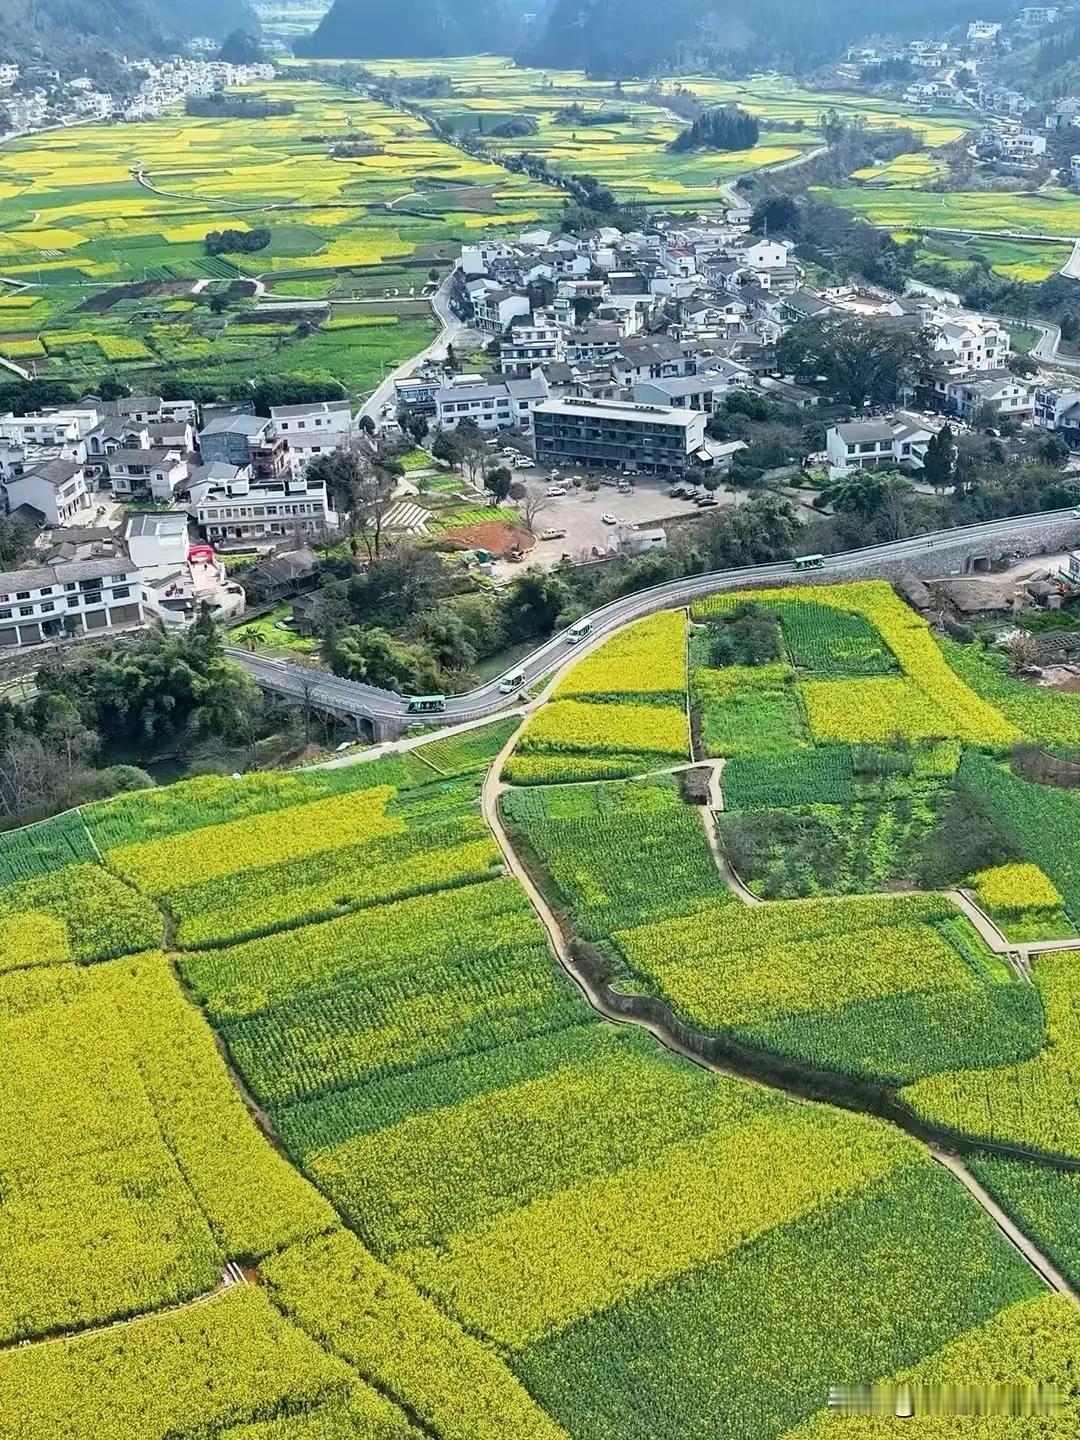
(578, 632)
(512, 682)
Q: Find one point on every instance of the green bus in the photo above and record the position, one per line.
(808, 562)
(426, 704)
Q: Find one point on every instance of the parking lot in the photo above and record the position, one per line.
(579, 513)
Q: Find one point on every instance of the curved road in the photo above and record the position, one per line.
(366, 702)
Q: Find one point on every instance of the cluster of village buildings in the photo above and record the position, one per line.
(131, 498)
(40, 97)
(965, 73)
(614, 349)
(606, 352)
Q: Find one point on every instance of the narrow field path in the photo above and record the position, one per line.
(723, 864)
(664, 1032)
(231, 1274)
(1030, 1251)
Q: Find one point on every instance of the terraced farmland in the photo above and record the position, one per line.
(80, 228)
(629, 151)
(489, 1210)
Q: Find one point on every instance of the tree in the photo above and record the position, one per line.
(776, 215)
(498, 481)
(1053, 450)
(16, 541)
(985, 416)
(361, 491)
(241, 47)
(415, 426)
(872, 496)
(447, 447)
(861, 363)
(109, 387)
(251, 638)
(719, 128)
(375, 656)
(535, 504)
(535, 601)
(472, 449)
(155, 690)
(939, 462)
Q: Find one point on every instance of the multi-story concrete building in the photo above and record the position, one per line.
(69, 426)
(878, 444)
(56, 490)
(532, 340)
(50, 602)
(486, 404)
(1057, 409)
(230, 505)
(1010, 396)
(144, 473)
(313, 429)
(614, 435)
(965, 343)
(243, 440)
(494, 308)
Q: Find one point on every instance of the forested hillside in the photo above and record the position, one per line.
(58, 31)
(379, 29)
(637, 37)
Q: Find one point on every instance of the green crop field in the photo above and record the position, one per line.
(306, 1133)
(102, 229)
(79, 229)
(629, 151)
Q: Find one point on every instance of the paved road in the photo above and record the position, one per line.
(367, 702)
(451, 331)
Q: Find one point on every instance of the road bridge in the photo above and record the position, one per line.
(945, 552)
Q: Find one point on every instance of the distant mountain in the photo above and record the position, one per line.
(422, 29)
(641, 37)
(58, 32)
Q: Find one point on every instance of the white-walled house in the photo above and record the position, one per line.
(313, 429)
(486, 404)
(761, 253)
(494, 308)
(878, 444)
(78, 597)
(140, 473)
(56, 489)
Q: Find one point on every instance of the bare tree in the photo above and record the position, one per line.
(373, 501)
(27, 777)
(535, 504)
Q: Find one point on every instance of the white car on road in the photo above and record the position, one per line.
(609, 519)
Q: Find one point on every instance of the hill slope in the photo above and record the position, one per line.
(638, 37)
(58, 31)
(381, 29)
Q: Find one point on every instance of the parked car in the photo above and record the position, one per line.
(552, 534)
(554, 490)
(609, 519)
(706, 502)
